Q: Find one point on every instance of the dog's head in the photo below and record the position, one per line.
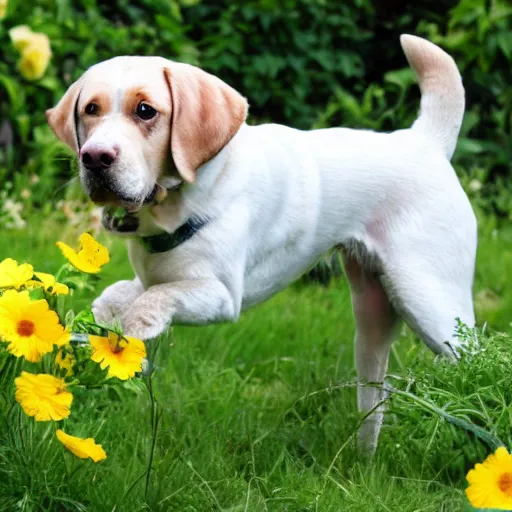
(132, 119)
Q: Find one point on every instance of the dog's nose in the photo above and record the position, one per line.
(98, 157)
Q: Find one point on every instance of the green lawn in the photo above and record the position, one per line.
(256, 416)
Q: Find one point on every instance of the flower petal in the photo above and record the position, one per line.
(13, 275)
(43, 396)
(20, 36)
(122, 359)
(83, 448)
(91, 256)
(16, 309)
(491, 482)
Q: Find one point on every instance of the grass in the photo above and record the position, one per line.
(261, 415)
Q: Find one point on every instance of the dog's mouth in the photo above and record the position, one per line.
(105, 193)
(119, 220)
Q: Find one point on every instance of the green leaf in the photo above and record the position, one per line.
(469, 146)
(505, 43)
(403, 78)
(14, 91)
(491, 440)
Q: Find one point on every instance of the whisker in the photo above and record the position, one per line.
(64, 185)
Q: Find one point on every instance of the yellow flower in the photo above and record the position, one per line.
(48, 282)
(20, 36)
(123, 356)
(35, 57)
(83, 448)
(43, 396)
(65, 361)
(29, 326)
(91, 256)
(490, 483)
(35, 51)
(13, 275)
(3, 8)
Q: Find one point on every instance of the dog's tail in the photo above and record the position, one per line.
(442, 93)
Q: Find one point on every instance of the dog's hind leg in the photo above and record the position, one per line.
(428, 277)
(430, 303)
(376, 327)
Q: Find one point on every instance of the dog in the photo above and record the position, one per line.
(246, 210)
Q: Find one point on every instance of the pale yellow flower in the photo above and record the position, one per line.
(43, 396)
(83, 448)
(35, 51)
(491, 482)
(91, 256)
(49, 284)
(13, 275)
(20, 36)
(122, 356)
(35, 58)
(30, 327)
(3, 9)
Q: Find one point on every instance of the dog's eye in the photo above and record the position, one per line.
(91, 109)
(145, 111)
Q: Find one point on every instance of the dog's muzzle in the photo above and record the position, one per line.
(104, 190)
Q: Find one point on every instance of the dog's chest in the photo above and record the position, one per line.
(276, 269)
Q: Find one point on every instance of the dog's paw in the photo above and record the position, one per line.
(103, 312)
(143, 326)
(115, 301)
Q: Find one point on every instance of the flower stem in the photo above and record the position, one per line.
(154, 418)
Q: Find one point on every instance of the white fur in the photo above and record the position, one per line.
(279, 198)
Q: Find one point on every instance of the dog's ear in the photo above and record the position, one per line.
(61, 118)
(206, 114)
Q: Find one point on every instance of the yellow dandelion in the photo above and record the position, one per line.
(49, 284)
(123, 357)
(490, 483)
(13, 275)
(43, 396)
(91, 256)
(83, 448)
(65, 361)
(29, 326)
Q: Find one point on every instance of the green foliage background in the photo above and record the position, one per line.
(305, 63)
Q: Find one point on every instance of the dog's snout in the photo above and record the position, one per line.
(98, 157)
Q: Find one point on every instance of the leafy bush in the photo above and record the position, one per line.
(441, 408)
(305, 63)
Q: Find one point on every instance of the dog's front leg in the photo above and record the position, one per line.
(194, 302)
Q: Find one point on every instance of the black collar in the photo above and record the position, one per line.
(167, 241)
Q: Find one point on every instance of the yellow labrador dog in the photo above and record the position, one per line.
(248, 209)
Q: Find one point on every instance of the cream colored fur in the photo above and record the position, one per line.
(279, 198)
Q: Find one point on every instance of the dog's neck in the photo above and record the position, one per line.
(187, 201)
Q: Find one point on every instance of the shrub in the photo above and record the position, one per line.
(305, 63)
